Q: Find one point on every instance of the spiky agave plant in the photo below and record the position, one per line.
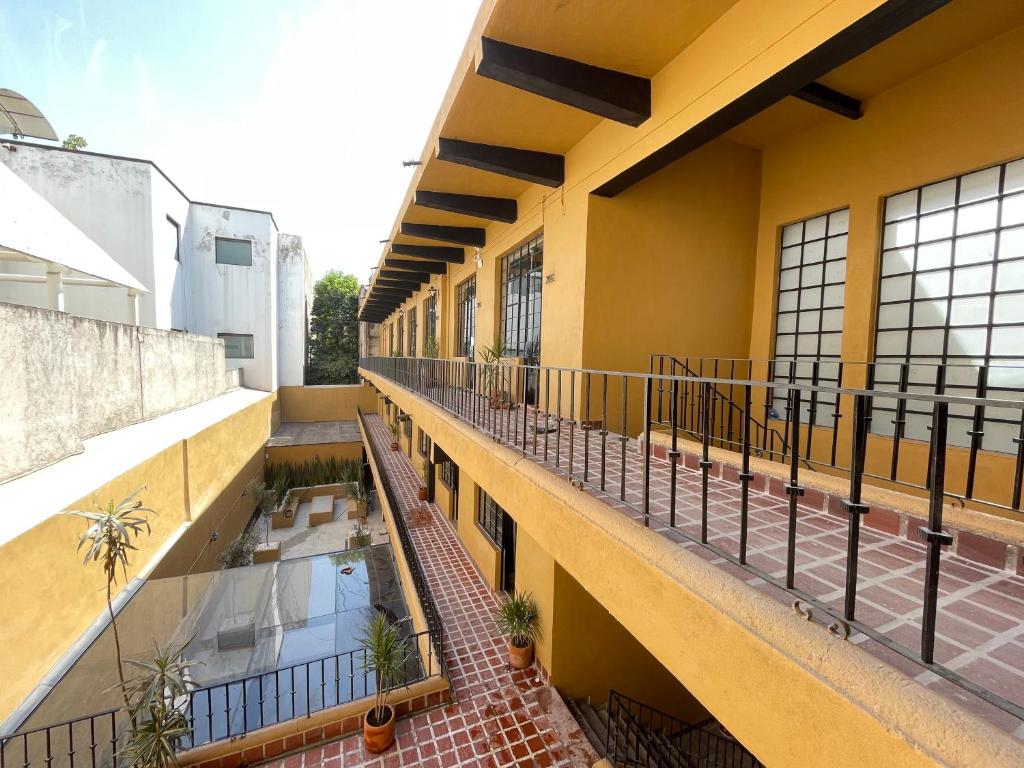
(155, 698)
(385, 655)
(519, 618)
(108, 540)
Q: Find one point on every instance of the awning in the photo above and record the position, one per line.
(21, 117)
(32, 228)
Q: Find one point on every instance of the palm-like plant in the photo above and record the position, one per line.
(519, 618)
(492, 372)
(155, 698)
(264, 499)
(108, 540)
(385, 654)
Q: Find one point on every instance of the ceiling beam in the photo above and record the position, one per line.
(874, 27)
(386, 282)
(471, 236)
(527, 164)
(433, 267)
(604, 92)
(432, 252)
(483, 207)
(400, 274)
(827, 98)
(398, 293)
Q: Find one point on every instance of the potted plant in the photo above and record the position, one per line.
(493, 374)
(360, 537)
(384, 655)
(362, 501)
(519, 619)
(394, 435)
(430, 347)
(421, 492)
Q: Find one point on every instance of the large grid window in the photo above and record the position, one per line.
(490, 517)
(521, 282)
(951, 292)
(412, 332)
(401, 335)
(430, 318)
(465, 319)
(809, 311)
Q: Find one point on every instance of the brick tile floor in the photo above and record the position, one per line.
(980, 627)
(501, 717)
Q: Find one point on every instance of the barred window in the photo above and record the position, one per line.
(423, 442)
(430, 317)
(401, 335)
(491, 517)
(465, 329)
(391, 339)
(446, 469)
(809, 312)
(951, 292)
(407, 425)
(412, 332)
(521, 283)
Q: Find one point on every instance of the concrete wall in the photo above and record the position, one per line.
(67, 378)
(294, 298)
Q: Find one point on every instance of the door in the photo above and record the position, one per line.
(508, 554)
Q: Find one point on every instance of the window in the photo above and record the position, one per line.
(809, 311)
(232, 251)
(465, 319)
(237, 345)
(407, 425)
(490, 517)
(401, 335)
(446, 469)
(423, 442)
(951, 291)
(521, 281)
(430, 317)
(412, 332)
(177, 238)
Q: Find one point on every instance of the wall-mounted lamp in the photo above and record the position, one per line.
(432, 290)
(401, 310)
(549, 278)
(476, 258)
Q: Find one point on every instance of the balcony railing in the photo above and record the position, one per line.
(596, 428)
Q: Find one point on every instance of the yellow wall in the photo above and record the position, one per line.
(750, 660)
(296, 454)
(197, 483)
(486, 556)
(328, 402)
(535, 573)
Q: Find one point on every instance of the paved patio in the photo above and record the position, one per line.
(501, 717)
(314, 433)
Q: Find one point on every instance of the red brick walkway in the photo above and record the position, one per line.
(500, 717)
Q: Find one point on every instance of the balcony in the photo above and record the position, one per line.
(930, 587)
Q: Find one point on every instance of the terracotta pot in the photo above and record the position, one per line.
(394, 445)
(520, 658)
(422, 494)
(378, 738)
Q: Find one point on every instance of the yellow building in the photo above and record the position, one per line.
(694, 314)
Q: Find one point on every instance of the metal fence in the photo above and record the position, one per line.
(580, 422)
(640, 736)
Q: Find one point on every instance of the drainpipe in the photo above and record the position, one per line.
(54, 286)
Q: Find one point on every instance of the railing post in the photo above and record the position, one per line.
(705, 461)
(853, 506)
(586, 426)
(647, 452)
(745, 475)
(793, 488)
(933, 534)
(977, 431)
(673, 455)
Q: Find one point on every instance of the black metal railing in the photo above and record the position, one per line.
(581, 423)
(640, 736)
(423, 593)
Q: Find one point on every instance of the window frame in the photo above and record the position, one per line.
(252, 344)
(490, 517)
(430, 317)
(512, 275)
(465, 318)
(422, 442)
(216, 251)
(411, 329)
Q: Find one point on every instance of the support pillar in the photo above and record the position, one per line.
(133, 306)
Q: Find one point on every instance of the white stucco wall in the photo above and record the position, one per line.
(294, 292)
(227, 298)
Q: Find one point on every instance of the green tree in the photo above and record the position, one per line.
(334, 330)
(74, 141)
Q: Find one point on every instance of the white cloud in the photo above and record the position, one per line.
(94, 69)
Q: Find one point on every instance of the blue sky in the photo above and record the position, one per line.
(304, 107)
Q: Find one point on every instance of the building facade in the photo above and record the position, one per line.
(218, 271)
(742, 248)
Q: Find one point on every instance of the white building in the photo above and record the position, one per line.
(214, 270)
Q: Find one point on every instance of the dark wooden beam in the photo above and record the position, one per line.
(433, 267)
(387, 282)
(527, 164)
(432, 252)
(471, 236)
(873, 28)
(605, 92)
(483, 207)
(400, 274)
(827, 98)
(403, 293)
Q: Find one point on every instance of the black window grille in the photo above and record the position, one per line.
(412, 332)
(401, 336)
(951, 293)
(430, 317)
(424, 442)
(522, 280)
(809, 310)
(465, 330)
(491, 517)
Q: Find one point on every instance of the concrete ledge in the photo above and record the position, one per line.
(791, 693)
